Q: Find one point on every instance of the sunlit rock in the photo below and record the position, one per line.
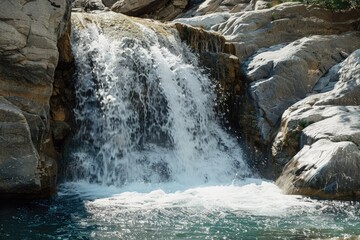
(327, 124)
(283, 52)
(325, 169)
(300, 117)
(282, 75)
(284, 23)
(162, 10)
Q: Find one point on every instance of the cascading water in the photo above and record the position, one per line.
(145, 112)
(149, 160)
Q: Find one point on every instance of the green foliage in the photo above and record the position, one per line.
(273, 16)
(303, 123)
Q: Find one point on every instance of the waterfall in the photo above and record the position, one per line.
(149, 159)
(145, 111)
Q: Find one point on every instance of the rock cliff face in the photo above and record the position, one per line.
(28, 58)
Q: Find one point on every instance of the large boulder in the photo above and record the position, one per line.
(325, 127)
(161, 10)
(200, 8)
(28, 58)
(283, 75)
(325, 169)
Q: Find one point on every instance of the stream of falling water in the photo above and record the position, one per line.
(145, 112)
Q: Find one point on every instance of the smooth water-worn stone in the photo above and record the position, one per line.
(305, 124)
(336, 105)
(325, 169)
(204, 22)
(162, 10)
(281, 77)
(132, 8)
(326, 127)
(18, 158)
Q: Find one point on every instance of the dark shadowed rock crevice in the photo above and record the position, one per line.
(62, 100)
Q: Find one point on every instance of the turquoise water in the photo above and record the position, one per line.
(87, 212)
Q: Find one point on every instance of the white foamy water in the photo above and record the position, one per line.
(247, 197)
(248, 209)
(145, 113)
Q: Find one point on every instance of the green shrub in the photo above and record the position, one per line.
(304, 123)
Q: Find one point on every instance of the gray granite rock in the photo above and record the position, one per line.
(325, 127)
(28, 58)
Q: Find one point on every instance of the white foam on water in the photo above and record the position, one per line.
(253, 197)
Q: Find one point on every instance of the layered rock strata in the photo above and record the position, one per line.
(223, 67)
(28, 58)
